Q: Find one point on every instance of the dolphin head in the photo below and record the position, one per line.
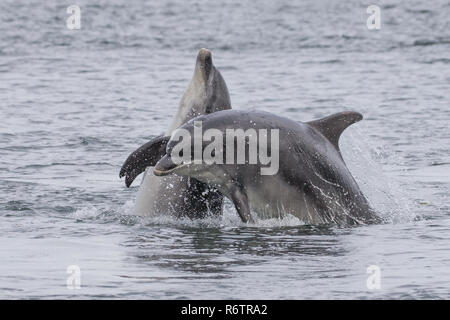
(169, 163)
(204, 66)
(207, 92)
(207, 173)
(166, 166)
(181, 158)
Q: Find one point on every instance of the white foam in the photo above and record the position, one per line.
(86, 212)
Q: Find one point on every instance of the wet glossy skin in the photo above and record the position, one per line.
(313, 182)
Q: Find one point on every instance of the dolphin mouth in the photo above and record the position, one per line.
(165, 166)
(161, 173)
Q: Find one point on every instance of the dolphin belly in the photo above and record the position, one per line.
(274, 198)
(152, 191)
(177, 196)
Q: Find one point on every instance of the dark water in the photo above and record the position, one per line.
(75, 103)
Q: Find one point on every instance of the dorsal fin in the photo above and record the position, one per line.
(333, 126)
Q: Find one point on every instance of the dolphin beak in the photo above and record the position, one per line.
(165, 166)
(204, 61)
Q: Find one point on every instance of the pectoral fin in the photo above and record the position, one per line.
(240, 201)
(145, 156)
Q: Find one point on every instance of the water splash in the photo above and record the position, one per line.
(382, 189)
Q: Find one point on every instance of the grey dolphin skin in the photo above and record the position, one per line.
(176, 195)
(312, 181)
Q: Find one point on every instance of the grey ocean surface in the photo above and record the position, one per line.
(75, 103)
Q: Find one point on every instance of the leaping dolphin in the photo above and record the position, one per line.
(311, 182)
(176, 195)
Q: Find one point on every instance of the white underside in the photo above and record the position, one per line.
(156, 195)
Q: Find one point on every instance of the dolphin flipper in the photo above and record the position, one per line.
(240, 201)
(145, 156)
(331, 127)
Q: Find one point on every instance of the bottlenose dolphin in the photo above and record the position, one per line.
(176, 195)
(311, 182)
